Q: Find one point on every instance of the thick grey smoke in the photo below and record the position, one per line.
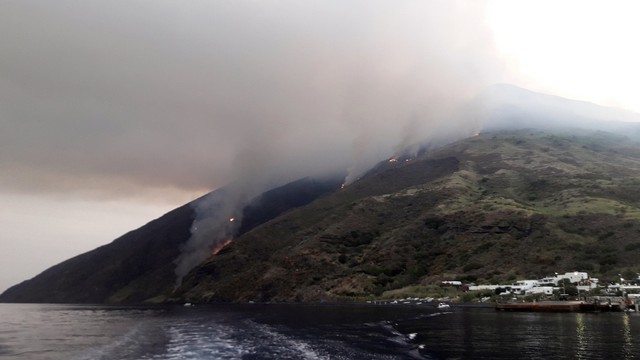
(345, 91)
(117, 98)
(218, 216)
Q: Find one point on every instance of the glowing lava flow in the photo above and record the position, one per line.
(221, 246)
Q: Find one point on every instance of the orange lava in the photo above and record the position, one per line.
(221, 246)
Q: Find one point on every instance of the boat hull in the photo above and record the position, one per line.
(559, 306)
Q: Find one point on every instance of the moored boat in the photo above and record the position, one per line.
(561, 306)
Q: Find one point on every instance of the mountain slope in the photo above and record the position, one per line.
(139, 266)
(96, 275)
(489, 208)
(508, 107)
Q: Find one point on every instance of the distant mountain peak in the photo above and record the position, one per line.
(506, 106)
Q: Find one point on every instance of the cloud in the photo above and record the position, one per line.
(105, 98)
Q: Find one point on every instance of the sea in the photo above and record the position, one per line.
(322, 331)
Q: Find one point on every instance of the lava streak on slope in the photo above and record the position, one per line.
(221, 246)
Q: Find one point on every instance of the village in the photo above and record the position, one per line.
(571, 291)
(570, 284)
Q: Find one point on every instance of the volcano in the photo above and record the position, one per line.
(532, 194)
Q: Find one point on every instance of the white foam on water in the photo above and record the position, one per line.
(223, 338)
(188, 340)
(267, 337)
(120, 346)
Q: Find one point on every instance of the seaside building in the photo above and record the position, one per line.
(545, 285)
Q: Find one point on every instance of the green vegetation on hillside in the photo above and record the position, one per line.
(488, 209)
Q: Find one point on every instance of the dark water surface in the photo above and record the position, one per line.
(259, 331)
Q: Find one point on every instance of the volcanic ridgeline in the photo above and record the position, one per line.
(139, 266)
(491, 208)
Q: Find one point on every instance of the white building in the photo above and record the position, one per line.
(573, 277)
(547, 290)
(518, 287)
(485, 287)
(524, 285)
(548, 281)
(543, 286)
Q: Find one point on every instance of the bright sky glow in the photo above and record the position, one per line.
(38, 232)
(585, 50)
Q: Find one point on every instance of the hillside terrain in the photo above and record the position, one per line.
(139, 266)
(491, 208)
(529, 196)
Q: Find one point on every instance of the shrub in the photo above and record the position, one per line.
(471, 266)
(632, 246)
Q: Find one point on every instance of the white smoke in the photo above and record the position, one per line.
(333, 86)
(218, 216)
(120, 98)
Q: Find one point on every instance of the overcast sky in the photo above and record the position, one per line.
(114, 112)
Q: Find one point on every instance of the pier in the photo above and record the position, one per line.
(563, 306)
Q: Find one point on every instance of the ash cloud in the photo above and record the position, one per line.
(112, 98)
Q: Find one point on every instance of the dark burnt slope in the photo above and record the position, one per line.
(139, 266)
(94, 276)
(279, 200)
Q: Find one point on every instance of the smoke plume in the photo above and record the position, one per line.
(218, 216)
(322, 89)
(118, 98)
